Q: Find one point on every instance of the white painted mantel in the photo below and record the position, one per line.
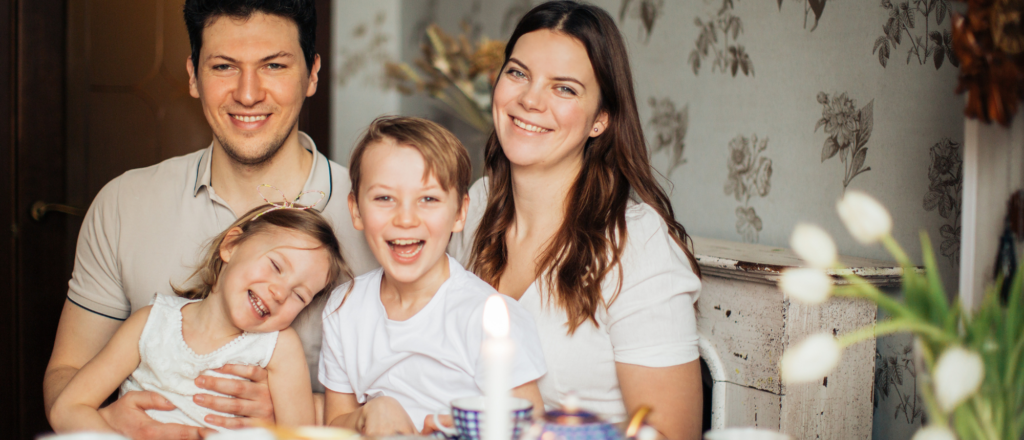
(745, 323)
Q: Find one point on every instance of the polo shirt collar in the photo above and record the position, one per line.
(320, 178)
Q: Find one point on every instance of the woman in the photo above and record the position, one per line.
(576, 228)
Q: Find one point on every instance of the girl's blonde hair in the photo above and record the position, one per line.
(257, 221)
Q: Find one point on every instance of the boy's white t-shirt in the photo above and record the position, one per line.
(428, 360)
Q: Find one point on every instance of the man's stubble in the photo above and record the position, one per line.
(259, 156)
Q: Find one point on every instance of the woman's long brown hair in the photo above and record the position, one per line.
(615, 166)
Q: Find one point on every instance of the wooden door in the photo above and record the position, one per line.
(88, 90)
(36, 262)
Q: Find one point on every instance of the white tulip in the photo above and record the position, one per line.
(958, 375)
(934, 432)
(813, 245)
(811, 359)
(867, 220)
(807, 285)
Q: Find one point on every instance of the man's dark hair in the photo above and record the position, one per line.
(201, 13)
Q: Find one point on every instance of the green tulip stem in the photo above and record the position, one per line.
(1012, 361)
(891, 326)
(925, 386)
(983, 411)
(860, 288)
(896, 251)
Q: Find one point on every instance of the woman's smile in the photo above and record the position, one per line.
(528, 126)
(547, 102)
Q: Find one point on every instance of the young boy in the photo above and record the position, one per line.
(401, 342)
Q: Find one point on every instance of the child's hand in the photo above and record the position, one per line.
(429, 427)
(250, 398)
(127, 416)
(384, 416)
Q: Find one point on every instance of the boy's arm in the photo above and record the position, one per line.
(75, 409)
(380, 416)
(288, 379)
(341, 409)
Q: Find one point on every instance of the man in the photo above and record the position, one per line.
(253, 64)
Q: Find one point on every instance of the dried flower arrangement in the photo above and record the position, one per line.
(989, 41)
(454, 71)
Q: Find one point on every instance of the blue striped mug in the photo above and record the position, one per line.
(468, 416)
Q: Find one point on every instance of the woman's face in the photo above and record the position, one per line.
(546, 102)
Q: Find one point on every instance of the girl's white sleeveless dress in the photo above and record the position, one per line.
(169, 367)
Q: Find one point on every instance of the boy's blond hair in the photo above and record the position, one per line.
(443, 155)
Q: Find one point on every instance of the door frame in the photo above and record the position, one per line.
(315, 118)
(35, 252)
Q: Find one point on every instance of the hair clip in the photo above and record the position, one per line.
(285, 204)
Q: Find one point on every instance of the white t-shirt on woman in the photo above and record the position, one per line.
(651, 323)
(426, 361)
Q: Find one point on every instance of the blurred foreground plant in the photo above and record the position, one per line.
(455, 72)
(973, 375)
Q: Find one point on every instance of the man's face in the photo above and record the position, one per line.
(252, 80)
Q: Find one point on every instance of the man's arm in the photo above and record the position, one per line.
(81, 334)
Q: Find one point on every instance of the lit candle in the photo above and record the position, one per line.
(497, 352)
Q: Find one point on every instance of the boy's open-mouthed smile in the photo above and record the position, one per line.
(407, 220)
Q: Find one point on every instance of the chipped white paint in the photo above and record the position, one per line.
(746, 323)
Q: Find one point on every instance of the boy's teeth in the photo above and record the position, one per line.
(405, 242)
(406, 248)
(529, 127)
(250, 118)
(258, 305)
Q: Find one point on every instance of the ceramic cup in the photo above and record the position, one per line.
(745, 434)
(468, 415)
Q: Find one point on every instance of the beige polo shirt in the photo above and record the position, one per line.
(147, 228)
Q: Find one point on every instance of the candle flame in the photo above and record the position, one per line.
(495, 317)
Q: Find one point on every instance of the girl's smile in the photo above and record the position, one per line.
(268, 279)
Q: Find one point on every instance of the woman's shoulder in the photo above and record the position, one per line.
(643, 222)
(650, 248)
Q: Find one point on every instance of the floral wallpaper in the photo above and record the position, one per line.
(815, 7)
(923, 43)
(945, 191)
(368, 45)
(848, 130)
(667, 130)
(896, 383)
(750, 174)
(724, 57)
(647, 11)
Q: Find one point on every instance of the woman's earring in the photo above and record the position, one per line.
(595, 130)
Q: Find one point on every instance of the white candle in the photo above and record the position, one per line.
(497, 352)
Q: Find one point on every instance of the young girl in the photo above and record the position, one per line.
(403, 341)
(256, 277)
